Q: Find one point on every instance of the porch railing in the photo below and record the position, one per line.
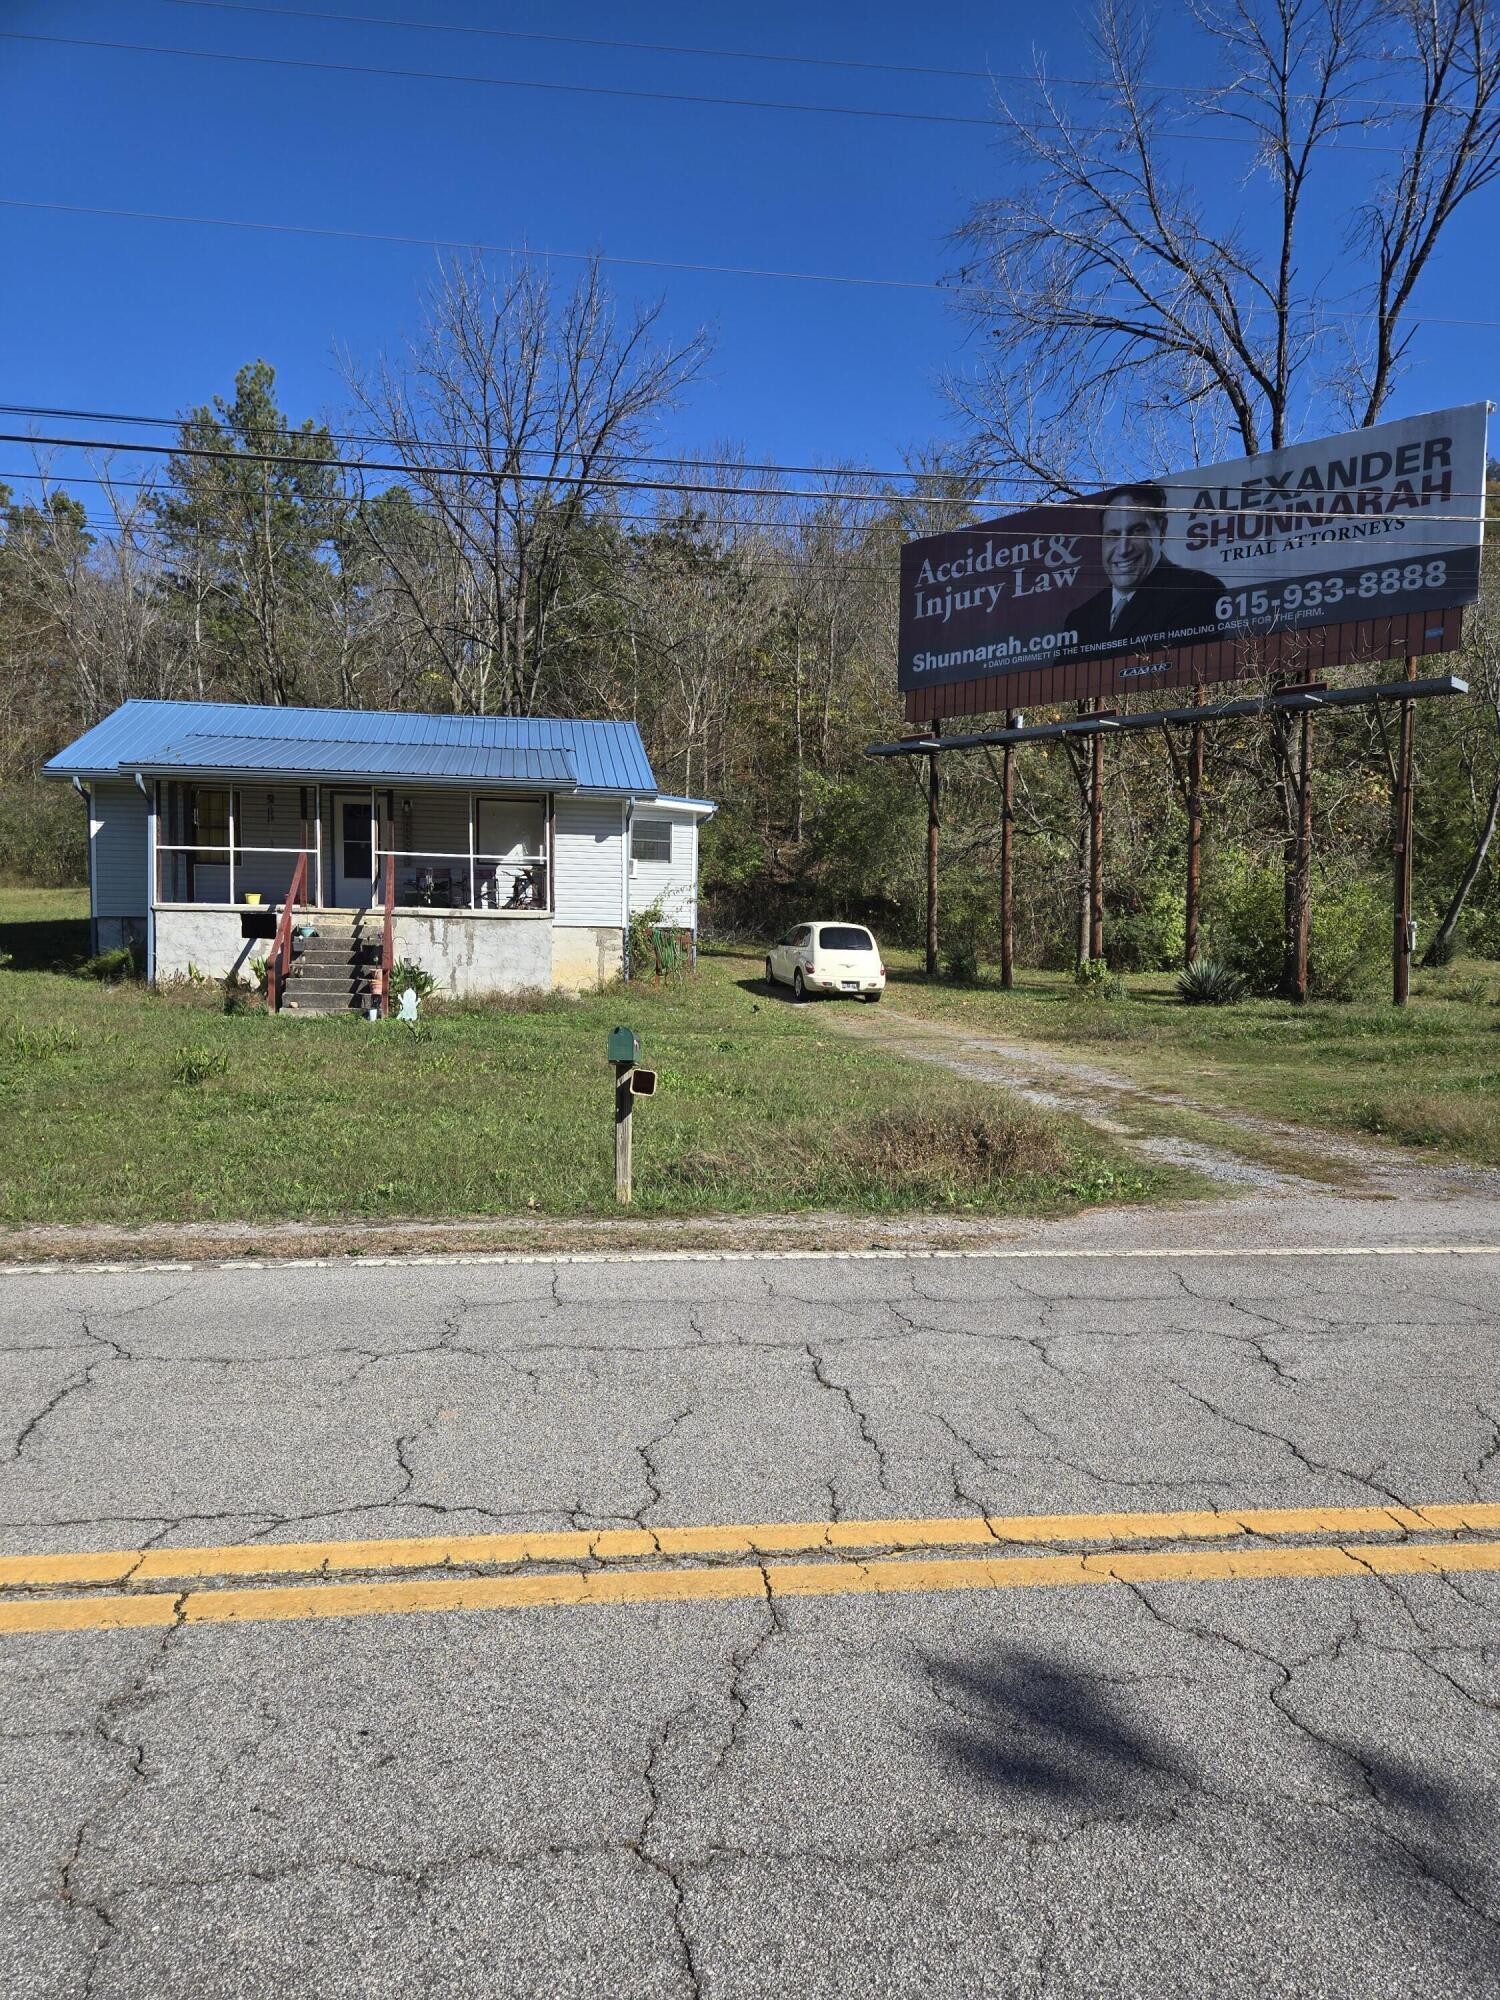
(433, 879)
(280, 962)
(388, 937)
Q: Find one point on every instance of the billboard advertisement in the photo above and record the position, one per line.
(1367, 526)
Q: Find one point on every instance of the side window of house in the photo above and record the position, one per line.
(651, 840)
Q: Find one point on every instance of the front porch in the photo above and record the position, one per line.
(236, 847)
(460, 882)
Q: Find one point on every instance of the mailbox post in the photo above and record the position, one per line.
(624, 1047)
(631, 1081)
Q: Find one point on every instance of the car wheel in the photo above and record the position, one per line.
(869, 998)
(770, 975)
(799, 991)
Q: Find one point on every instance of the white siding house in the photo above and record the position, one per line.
(664, 858)
(589, 837)
(495, 851)
(119, 815)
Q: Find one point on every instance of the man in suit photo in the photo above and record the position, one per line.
(1146, 596)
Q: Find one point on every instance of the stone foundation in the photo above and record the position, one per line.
(469, 953)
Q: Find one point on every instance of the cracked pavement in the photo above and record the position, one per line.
(1178, 1788)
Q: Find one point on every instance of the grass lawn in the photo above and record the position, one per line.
(1428, 1074)
(119, 1105)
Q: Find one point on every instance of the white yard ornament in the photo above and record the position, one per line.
(409, 1005)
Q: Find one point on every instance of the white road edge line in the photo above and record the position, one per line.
(403, 1260)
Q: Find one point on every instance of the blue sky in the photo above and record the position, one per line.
(110, 314)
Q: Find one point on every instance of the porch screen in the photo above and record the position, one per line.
(510, 829)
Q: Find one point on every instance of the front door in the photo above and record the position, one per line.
(353, 851)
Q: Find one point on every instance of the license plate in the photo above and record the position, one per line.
(850, 985)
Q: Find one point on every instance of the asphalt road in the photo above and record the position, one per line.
(1199, 1783)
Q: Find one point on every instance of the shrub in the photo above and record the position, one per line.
(122, 962)
(642, 948)
(1148, 935)
(1095, 981)
(406, 972)
(961, 955)
(1246, 908)
(194, 1066)
(1350, 940)
(1208, 983)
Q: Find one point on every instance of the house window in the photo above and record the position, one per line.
(211, 819)
(651, 840)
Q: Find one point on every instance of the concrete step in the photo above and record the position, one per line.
(328, 961)
(325, 989)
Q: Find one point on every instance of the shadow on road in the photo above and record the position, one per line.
(1413, 1841)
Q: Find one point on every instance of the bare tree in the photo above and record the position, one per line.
(99, 619)
(510, 412)
(1122, 303)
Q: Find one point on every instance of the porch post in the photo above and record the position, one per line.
(152, 800)
(233, 795)
(318, 826)
(473, 887)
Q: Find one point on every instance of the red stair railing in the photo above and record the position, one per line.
(280, 961)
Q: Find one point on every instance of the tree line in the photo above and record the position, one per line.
(493, 526)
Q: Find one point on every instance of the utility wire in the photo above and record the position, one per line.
(955, 290)
(713, 490)
(781, 56)
(689, 462)
(682, 463)
(289, 460)
(473, 243)
(598, 89)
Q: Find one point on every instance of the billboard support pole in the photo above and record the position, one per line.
(1402, 938)
(1194, 836)
(1301, 912)
(1096, 844)
(934, 795)
(1007, 860)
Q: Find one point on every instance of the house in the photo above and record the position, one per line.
(497, 852)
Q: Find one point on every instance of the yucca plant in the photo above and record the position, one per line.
(1208, 982)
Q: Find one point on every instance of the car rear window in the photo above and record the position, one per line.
(844, 937)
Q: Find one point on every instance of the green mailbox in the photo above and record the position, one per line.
(624, 1047)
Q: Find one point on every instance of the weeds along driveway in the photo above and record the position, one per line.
(1168, 1126)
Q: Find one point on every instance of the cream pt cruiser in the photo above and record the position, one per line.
(827, 958)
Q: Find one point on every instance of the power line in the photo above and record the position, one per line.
(608, 483)
(503, 82)
(473, 243)
(692, 462)
(593, 89)
(678, 463)
(780, 56)
(1250, 311)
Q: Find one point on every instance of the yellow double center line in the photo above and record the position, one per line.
(124, 1587)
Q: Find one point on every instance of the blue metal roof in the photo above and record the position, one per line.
(332, 758)
(343, 742)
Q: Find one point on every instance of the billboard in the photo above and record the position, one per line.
(1204, 574)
